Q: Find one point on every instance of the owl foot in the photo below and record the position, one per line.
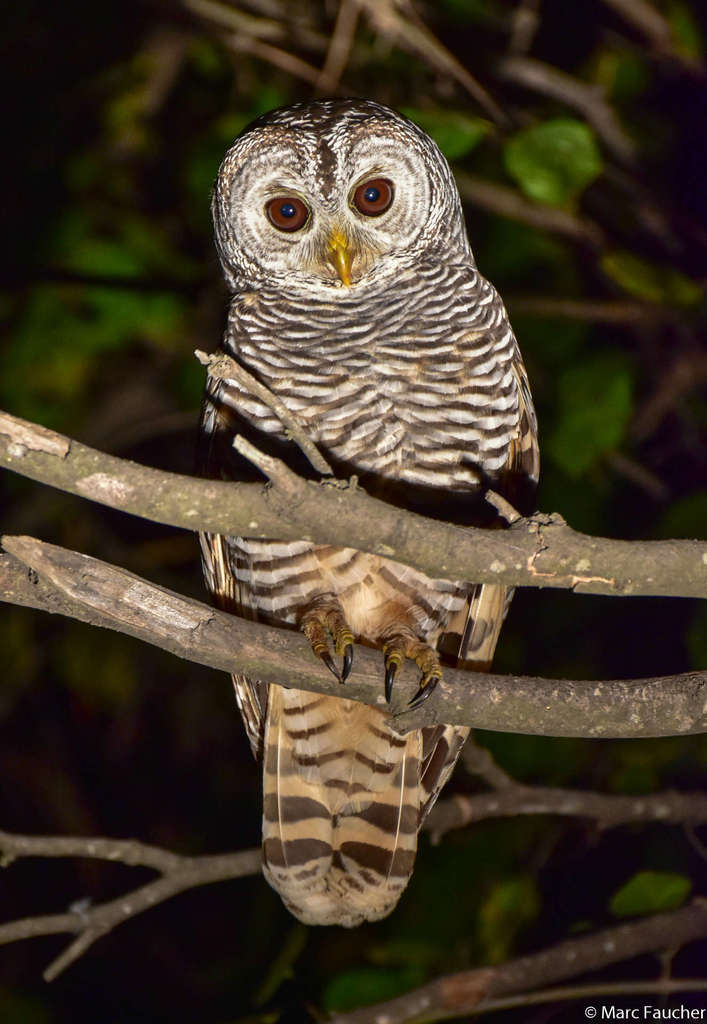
(325, 617)
(400, 646)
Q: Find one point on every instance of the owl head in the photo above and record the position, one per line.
(334, 196)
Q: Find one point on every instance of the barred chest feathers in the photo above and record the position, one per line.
(418, 385)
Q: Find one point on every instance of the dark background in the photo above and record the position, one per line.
(119, 113)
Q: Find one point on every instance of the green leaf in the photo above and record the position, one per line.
(595, 406)
(622, 74)
(649, 892)
(553, 161)
(508, 908)
(405, 951)
(481, 11)
(686, 518)
(650, 282)
(18, 1008)
(282, 967)
(362, 986)
(686, 33)
(455, 132)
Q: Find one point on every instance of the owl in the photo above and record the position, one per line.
(356, 300)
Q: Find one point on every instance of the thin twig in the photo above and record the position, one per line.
(525, 22)
(88, 922)
(595, 311)
(272, 25)
(458, 995)
(509, 203)
(390, 20)
(649, 22)
(687, 373)
(125, 851)
(588, 99)
(274, 55)
(566, 993)
(607, 810)
(479, 761)
(223, 367)
(638, 475)
(342, 40)
(502, 506)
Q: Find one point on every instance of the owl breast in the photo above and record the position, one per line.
(417, 386)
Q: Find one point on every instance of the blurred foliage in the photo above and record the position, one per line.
(554, 161)
(650, 892)
(454, 131)
(120, 114)
(595, 408)
(365, 985)
(650, 282)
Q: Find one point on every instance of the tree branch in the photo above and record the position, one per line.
(511, 798)
(609, 311)
(456, 995)
(88, 922)
(541, 551)
(179, 873)
(340, 45)
(44, 576)
(607, 810)
(508, 202)
(589, 99)
(393, 21)
(663, 987)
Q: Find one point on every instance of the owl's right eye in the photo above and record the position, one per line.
(287, 213)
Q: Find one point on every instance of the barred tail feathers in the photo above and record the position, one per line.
(341, 808)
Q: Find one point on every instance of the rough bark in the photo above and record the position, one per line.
(55, 579)
(541, 551)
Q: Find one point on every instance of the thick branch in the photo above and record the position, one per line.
(44, 576)
(88, 922)
(541, 551)
(456, 995)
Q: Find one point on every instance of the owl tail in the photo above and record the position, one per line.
(341, 808)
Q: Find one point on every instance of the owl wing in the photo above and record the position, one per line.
(488, 603)
(221, 558)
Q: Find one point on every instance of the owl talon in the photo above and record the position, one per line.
(329, 662)
(391, 671)
(325, 618)
(426, 688)
(404, 644)
(348, 662)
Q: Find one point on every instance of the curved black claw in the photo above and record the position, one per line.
(424, 692)
(348, 662)
(329, 662)
(391, 671)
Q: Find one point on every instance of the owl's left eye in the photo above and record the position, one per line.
(373, 197)
(287, 213)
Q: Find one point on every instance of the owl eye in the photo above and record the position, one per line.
(287, 213)
(373, 197)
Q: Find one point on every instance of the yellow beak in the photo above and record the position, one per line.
(340, 256)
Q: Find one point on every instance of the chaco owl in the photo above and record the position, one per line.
(356, 300)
